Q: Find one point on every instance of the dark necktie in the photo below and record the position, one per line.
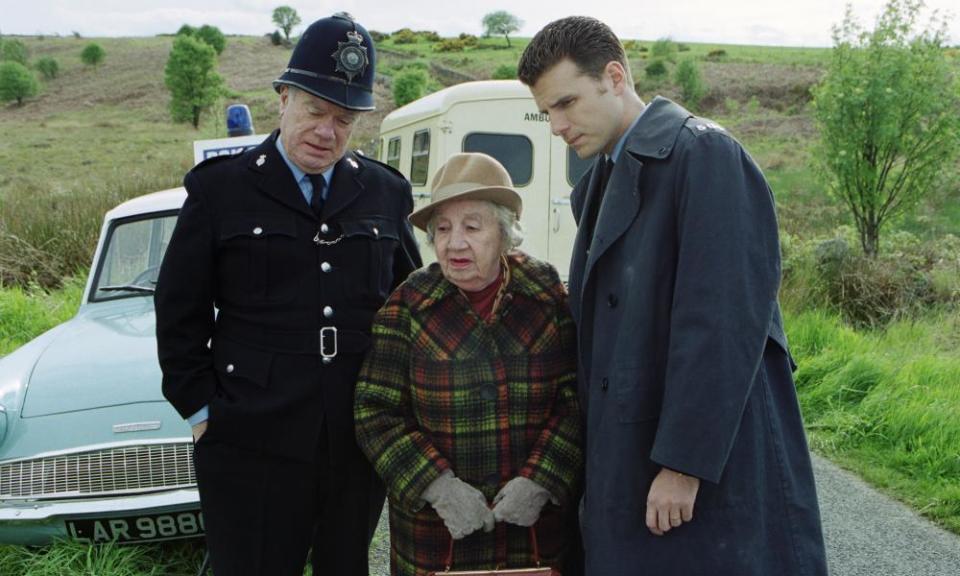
(316, 201)
(606, 167)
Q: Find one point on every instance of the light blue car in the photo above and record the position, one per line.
(89, 448)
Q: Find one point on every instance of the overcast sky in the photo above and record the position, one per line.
(769, 22)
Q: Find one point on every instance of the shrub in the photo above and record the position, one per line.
(449, 45)
(48, 67)
(276, 38)
(631, 46)
(643, 49)
(691, 85)
(664, 49)
(17, 82)
(468, 40)
(212, 36)
(405, 36)
(716, 55)
(187, 30)
(428, 35)
(681, 47)
(378, 36)
(656, 69)
(14, 51)
(93, 54)
(505, 72)
(409, 85)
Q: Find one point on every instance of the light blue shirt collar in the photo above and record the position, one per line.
(615, 155)
(306, 187)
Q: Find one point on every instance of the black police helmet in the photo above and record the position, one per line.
(334, 60)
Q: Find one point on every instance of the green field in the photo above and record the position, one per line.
(883, 401)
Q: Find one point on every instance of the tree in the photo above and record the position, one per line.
(47, 66)
(887, 113)
(501, 22)
(16, 82)
(691, 84)
(187, 30)
(286, 18)
(14, 51)
(212, 36)
(192, 79)
(92, 54)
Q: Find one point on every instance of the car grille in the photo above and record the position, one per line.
(118, 470)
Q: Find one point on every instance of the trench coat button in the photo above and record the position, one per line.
(257, 231)
(604, 384)
(327, 312)
(662, 150)
(324, 228)
(229, 368)
(612, 300)
(328, 360)
(326, 267)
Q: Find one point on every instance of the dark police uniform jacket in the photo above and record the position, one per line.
(295, 295)
(683, 361)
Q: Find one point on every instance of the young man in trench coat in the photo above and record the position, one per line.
(696, 460)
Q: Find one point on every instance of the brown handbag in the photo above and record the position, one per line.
(535, 571)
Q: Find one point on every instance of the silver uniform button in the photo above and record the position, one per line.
(328, 360)
(327, 312)
(376, 231)
(324, 228)
(229, 368)
(258, 230)
(326, 267)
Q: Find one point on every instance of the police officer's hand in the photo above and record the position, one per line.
(198, 430)
(670, 501)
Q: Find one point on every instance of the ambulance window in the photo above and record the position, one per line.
(514, 151)
(420, 159)
(393, 153)
(576, 167)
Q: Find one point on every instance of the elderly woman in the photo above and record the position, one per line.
(466, 404)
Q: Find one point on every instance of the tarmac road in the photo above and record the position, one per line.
(867, 533)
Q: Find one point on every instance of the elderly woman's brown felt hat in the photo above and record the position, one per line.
(469, 176)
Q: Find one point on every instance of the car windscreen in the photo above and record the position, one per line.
(131, 257)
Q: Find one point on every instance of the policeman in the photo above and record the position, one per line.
(297, 243)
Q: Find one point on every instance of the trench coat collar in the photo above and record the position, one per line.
(527, 278)
(278, 182)
(656, 133)
(653, 137)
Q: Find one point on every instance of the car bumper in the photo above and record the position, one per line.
(41, 522)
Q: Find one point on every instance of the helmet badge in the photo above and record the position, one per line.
(351, 56)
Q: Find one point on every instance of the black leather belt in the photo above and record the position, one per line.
(326, 342)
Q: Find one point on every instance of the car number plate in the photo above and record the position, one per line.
(143, 528)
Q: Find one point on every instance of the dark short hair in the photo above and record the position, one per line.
(586, 41)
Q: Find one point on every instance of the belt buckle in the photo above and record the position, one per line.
(327, 330)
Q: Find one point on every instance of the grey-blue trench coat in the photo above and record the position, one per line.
(684, 363)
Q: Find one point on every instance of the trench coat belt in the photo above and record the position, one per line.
(326, 341)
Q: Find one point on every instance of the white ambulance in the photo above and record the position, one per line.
(499, 118)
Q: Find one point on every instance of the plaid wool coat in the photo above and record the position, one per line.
(442, 389)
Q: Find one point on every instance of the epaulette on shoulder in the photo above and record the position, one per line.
(698, 125)
(379, 163)
(207, 162)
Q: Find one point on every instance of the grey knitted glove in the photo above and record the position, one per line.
(462, 507)
(520, 501)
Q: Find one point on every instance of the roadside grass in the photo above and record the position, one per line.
(25, 313)
(76, 559)
(886, 404)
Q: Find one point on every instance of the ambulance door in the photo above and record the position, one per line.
(509, 131)
(566, 168)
